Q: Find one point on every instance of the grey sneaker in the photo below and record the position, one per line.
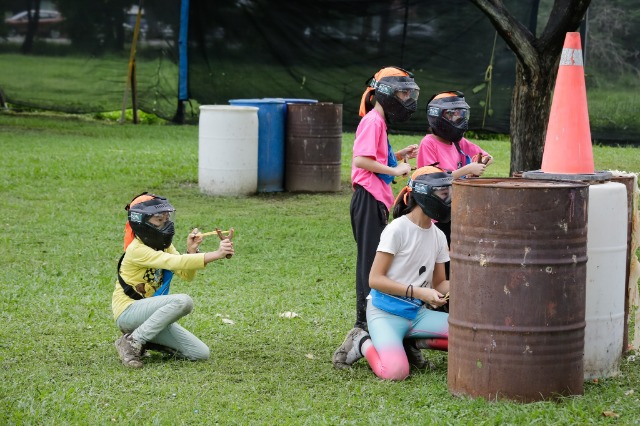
(414, 355)
(349, 351)
(129, 351)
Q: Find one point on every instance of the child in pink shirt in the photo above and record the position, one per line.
(448, 116)
(391, 97)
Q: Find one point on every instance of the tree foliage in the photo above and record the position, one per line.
(614, 29)
(33, 9)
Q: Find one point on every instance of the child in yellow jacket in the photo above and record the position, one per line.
(142, 307)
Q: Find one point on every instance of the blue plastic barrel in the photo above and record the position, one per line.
(271, 128)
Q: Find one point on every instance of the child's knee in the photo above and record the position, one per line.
(204, 354)
(398, 372)
(201, 353)
(393, 365)
(184, 302)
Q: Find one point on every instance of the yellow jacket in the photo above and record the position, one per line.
(142, 269)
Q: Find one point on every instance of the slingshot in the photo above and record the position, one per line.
(217, 231)
(223, 235)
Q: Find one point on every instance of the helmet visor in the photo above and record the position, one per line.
(162, 219)
(404, 95)
(403, 88)
(442, 192)
(456, 115)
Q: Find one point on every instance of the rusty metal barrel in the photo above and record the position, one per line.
(518, 283)
(313, 147)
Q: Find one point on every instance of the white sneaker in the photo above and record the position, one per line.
(349, 351)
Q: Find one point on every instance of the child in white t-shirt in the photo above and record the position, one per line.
(406, 275)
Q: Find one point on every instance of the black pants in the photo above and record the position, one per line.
(368, 218)
(446, 228)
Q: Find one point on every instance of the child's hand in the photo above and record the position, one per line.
(194, 240)
(475, 169)
(402, 169)
(432, 297)
(487, 159)
(226, 248)
(409, 152)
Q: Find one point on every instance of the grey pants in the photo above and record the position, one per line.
(154, 320)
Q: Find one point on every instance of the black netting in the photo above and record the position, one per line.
(245, 49)
(326, 50)
(80, 65)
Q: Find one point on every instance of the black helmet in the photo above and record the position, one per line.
(431, 188)
(448, 115)
(398, 96)
(143, 208)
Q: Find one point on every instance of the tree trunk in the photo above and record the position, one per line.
(530, 107)
(32, 26)
(536, 68)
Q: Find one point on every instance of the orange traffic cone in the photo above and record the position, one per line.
(567, 147)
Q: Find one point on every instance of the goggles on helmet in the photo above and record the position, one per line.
(160, 220)
(403, 88)
(456, 115)
(158, 208)
(443, 192)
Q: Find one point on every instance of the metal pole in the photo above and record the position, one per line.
(131, 71)
(183, 64)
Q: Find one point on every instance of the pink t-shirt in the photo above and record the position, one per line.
(433, 151)
(371, 141)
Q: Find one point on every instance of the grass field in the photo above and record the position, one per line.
(63, 187)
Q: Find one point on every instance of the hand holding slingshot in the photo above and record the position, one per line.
(483, 160)
(223, 235)
(406, 160)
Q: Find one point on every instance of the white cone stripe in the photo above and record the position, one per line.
(571, 57)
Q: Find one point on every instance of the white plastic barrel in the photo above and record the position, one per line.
(606, 277)
(228, 150)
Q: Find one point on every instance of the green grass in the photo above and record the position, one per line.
(614, 109)
(63, 186)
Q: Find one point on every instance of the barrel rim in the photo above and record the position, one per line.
(271, 101)
(513, 183)
(227, 108)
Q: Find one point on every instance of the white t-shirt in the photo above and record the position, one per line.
(416, 251)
